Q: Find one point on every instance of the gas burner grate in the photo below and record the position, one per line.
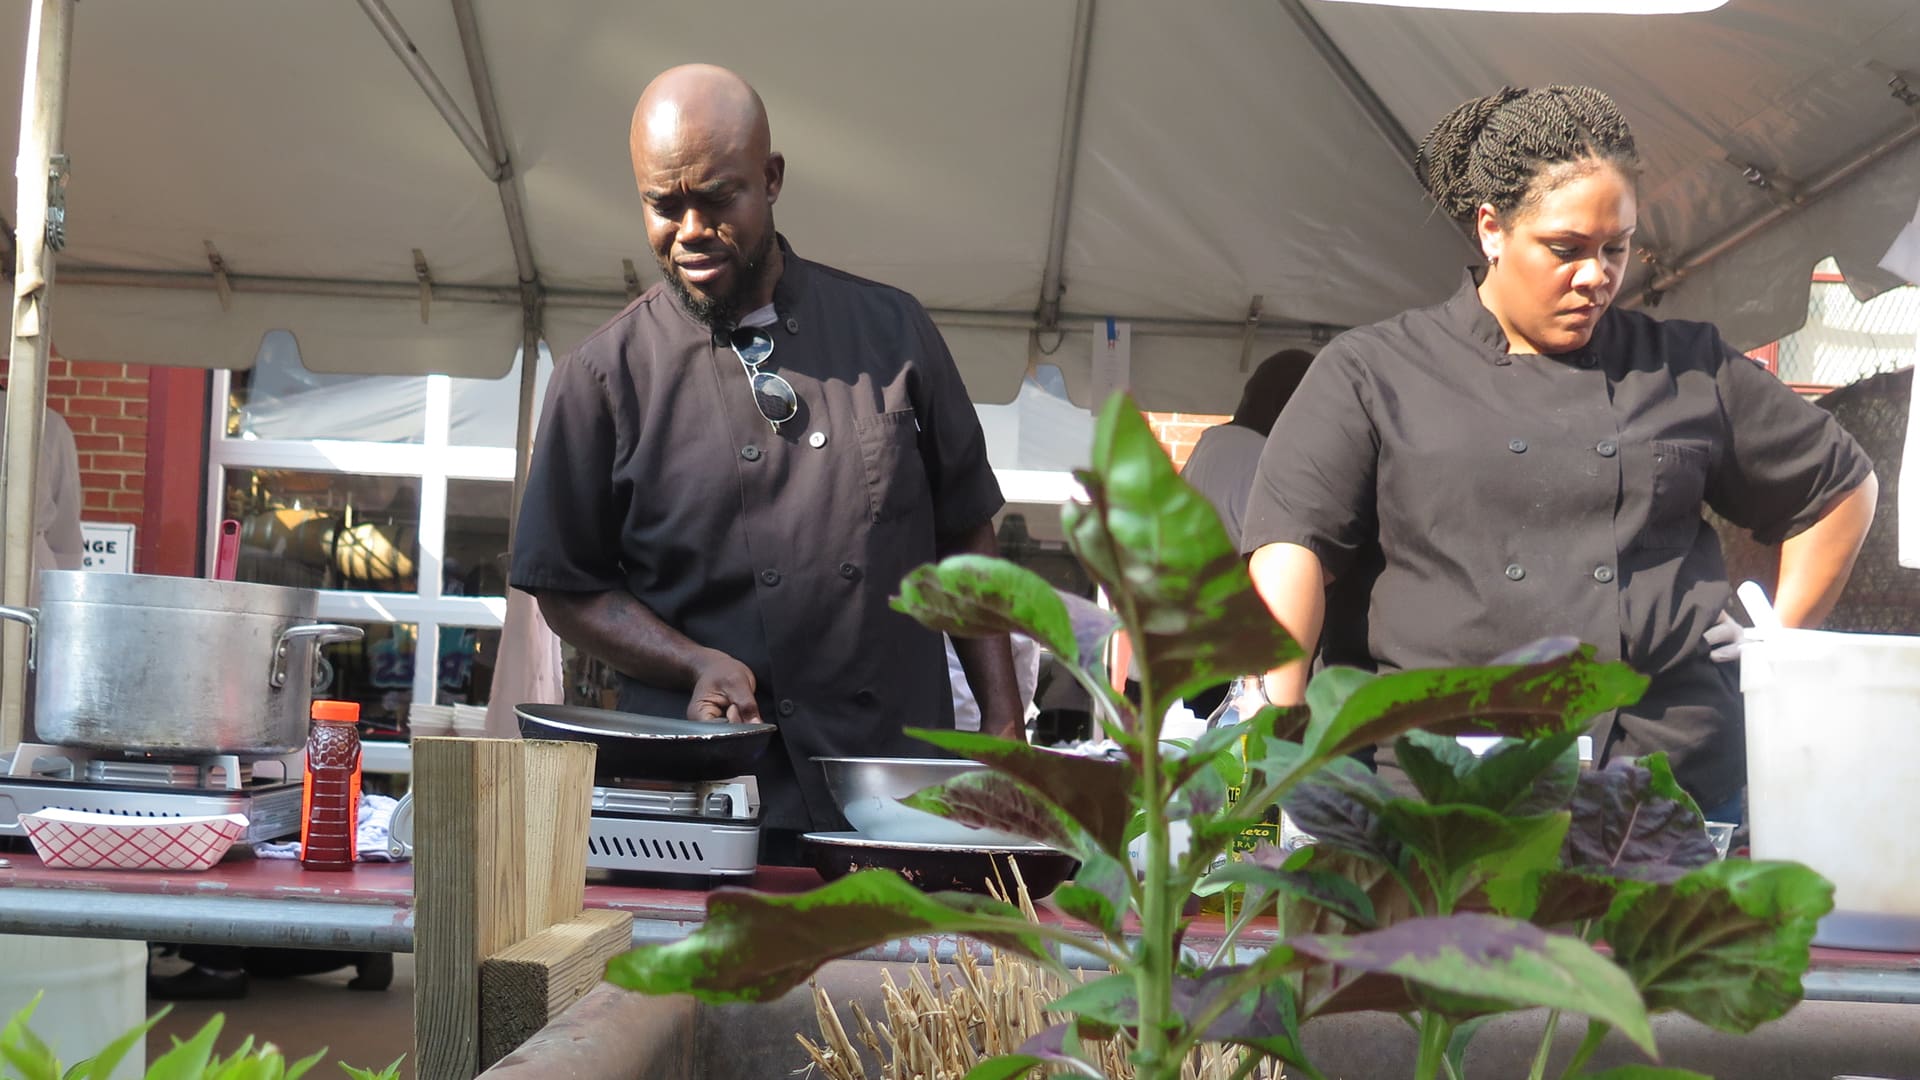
(169, 774)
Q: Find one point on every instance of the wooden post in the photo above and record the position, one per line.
(43, 114)
(558, 796)
(468, 895)
(500, 848)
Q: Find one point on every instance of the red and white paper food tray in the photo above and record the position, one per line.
(79, 839)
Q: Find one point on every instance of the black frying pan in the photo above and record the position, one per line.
(636, 747)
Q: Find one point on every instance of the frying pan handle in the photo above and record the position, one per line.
(30, 616)
(321, 633)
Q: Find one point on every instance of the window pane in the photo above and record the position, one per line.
(1845, 340)
(477, 513)
(280, 399)
(318, 530)
(467, 658)
(376, 671)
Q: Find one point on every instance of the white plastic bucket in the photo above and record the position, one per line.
(1833, 773)
(93, 992)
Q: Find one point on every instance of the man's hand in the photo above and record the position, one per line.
(723, 690)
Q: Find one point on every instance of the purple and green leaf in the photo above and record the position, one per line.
(975, 596)
(755, 947)
(1202, 796)
(1516, 776)
(1266, 1018)
(1523, 700)
(1566, 897)
(1489, 958)
(1098, 893)
(1631, 820)
(1319, 888)
(1340, 806)
(1097, 793)
(1726, 944)
(1059, 1046)
(1156, 544)
(1450, 840)
(994, 800)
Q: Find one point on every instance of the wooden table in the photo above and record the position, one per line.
(275, 902)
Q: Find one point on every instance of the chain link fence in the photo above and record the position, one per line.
(1845, 340)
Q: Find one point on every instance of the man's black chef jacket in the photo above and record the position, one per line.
(1468, 500)
(653, 472)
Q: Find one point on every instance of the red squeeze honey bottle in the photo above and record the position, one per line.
(330, 806)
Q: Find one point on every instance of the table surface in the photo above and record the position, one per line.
(278, 902)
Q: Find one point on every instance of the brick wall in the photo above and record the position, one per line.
(106, 406)
(1179, 431)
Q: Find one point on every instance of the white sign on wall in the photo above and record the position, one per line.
(1112, 361)
(109, 547)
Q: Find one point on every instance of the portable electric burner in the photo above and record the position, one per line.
(41, 777)
(707, 830)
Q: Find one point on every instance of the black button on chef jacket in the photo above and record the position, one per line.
(654, 472)
(1468, 501)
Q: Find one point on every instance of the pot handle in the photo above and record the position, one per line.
(30, 616)
(321, 633)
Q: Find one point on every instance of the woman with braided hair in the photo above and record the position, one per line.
(1525, 461)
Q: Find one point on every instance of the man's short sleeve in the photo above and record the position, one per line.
(1315, 482)
(1786, 459)
(568, 535)
(965, 491)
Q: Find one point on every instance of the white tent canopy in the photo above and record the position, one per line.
(1219, 155)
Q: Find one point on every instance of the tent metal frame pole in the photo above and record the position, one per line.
(611, 300)
(111, 277)
(1667, 277)
(532, 297)
(436, 91)
(1362, 93)
(503, 172)
(43, 113)
(1053, 277)
(529, 381)
(1356, 84)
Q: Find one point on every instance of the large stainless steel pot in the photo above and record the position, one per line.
(135, 663)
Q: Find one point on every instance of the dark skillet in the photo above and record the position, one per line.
(636, 747)
(942, 867)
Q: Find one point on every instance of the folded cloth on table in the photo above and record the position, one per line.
(376, 822)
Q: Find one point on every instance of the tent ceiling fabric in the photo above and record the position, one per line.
(1219, 159)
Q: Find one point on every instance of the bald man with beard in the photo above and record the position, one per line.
(732, 476)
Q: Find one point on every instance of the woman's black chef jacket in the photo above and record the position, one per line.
(653, 472)
(1469, 500)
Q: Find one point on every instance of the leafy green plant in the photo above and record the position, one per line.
(1487, 893)
(24, 1056)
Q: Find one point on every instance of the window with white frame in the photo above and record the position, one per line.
(391, 496)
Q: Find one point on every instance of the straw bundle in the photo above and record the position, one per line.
(947, 1018)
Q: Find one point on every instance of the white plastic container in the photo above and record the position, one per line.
(93, 992)
(1833, 773)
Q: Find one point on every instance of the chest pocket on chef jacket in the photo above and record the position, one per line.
(896, 477)
(1679, 487)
